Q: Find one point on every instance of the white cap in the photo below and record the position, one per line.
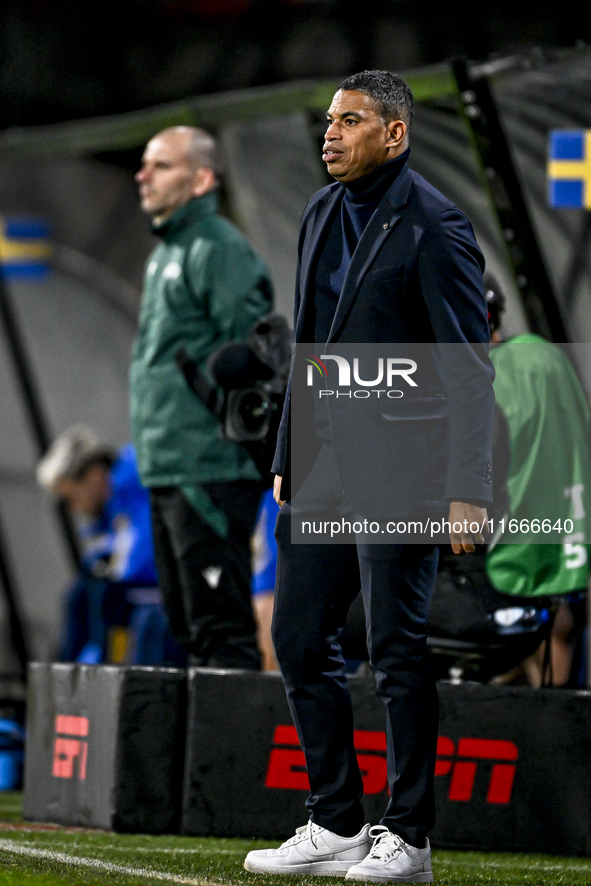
(70, 454)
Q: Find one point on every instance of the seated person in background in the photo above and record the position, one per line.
(548, 479)
(507, 597)
(504, 599)
(117, 586)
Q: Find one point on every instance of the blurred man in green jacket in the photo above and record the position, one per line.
(204, 287)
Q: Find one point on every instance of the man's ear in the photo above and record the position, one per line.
(204, 181)
(396, 134)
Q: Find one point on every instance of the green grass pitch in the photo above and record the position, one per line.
(46, 855)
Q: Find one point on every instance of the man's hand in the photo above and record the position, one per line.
(277, 490)
(472, 519)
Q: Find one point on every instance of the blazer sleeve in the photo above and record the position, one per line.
(450, 268)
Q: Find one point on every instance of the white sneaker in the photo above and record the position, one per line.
(391, 860)
(313, 850)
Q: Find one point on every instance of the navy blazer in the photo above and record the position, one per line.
(415, 277)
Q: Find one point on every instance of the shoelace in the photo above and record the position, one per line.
(304, 829)
(386, 844)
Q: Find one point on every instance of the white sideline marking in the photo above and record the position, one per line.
(171, 850)
(81, 861)
(529, 866)
(73, 860)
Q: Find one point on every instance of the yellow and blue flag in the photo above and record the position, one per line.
(569, 169)
(24, 247)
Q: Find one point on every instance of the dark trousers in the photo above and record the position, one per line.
(316, 584)
(213, 620)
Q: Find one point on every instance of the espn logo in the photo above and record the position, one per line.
(287, 765)
(287, 768)
(70, 747)
(464, 761)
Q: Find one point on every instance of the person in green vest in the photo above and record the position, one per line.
(540, 548)
(204, 287)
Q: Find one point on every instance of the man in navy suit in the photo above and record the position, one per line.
(386, 262)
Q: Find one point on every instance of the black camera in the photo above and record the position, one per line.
(250, 381)
(249, 414)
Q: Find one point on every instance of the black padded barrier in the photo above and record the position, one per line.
(513, 767)
(104, 746)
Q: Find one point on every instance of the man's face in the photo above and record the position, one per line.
(357, 140)
(169, 177)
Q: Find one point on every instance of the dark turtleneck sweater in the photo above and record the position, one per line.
(360, 200)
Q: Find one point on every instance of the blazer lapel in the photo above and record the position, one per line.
(379, 228)
(323, 215)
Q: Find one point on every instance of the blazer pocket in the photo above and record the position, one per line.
(384, 274)
(406, 408)
(416, 438)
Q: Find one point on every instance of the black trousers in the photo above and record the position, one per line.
(316, 584)
(212, 619)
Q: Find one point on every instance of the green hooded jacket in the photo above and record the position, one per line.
(204, 286)
(549, 479)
